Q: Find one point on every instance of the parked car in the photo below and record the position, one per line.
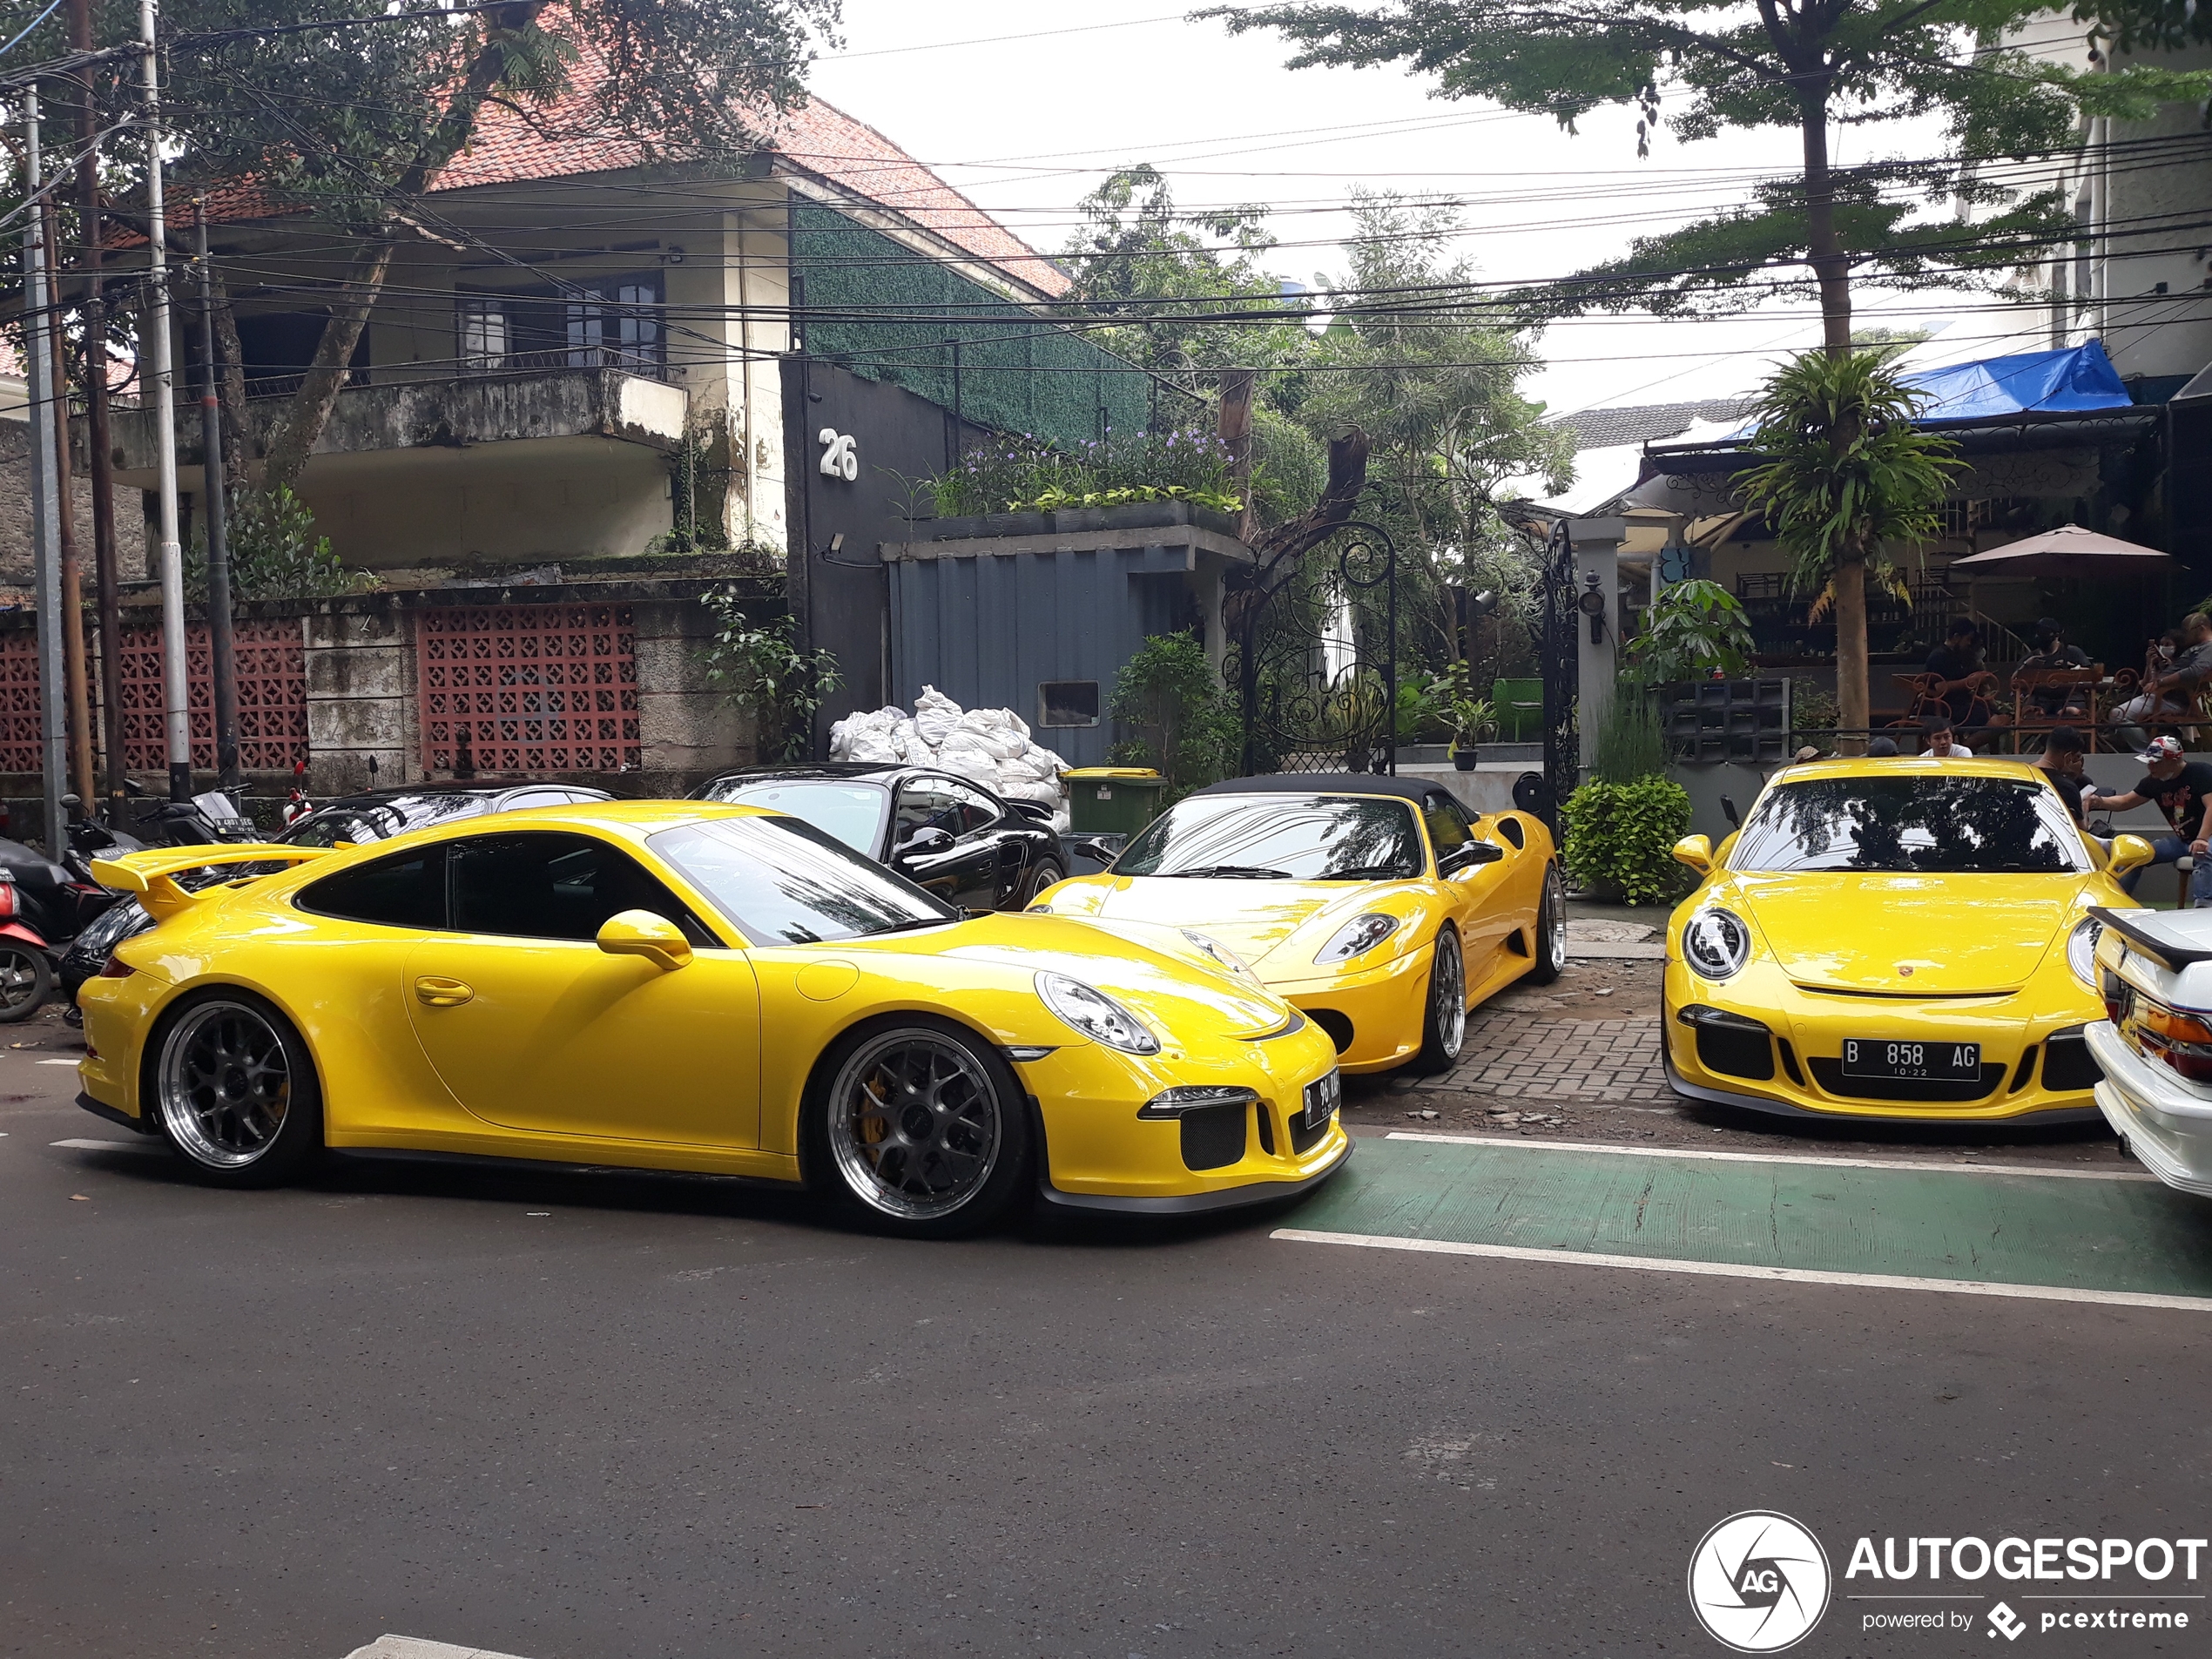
(1373, 905)
(688, 985)
(1907, 939)
(948, 835)
(2154, 1044)
(374, 815)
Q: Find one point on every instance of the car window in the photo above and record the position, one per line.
(977, 809)
(401, 890)
(549, 884)
(1949, 825)
(1295, 838)
(1447, 824)
(328, 828)
(784, 882)
(924, 804)
(532, 797)
(851, 812)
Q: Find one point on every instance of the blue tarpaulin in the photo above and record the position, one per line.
(2078, 378)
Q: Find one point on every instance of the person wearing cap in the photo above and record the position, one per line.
(1882, 749)
(2183, 789)
(2053, 655)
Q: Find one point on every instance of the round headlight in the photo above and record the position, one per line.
(1716, 942)
(1097, 1016)
(2082, 950)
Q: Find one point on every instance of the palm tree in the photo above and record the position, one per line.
(1843, 470)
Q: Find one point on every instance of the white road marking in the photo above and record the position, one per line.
(53, 1063)
(148, 1145)
(1774, 1157)
(391, 1647)
(1734, 1269)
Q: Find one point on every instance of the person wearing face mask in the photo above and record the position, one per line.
(2171, 687)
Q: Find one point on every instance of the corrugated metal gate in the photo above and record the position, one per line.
(513, 688)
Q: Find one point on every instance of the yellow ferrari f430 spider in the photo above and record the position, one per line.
(1894, 938)
(1372, 905)
(694, 987)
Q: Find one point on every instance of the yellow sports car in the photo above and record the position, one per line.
(1894, 938)
(1372, 905)
(683, 985)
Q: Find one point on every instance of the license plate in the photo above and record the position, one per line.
(1322, 1099)
(1938, 1061)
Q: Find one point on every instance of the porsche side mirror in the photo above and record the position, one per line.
(1466, 858)
(640, 932)
(923, 841)
(1696, 851)
(2128, 852)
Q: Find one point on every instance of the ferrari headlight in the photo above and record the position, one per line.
(1221, 952)
(2082, 950)
(1717, 943)
(1095, 1015)
(1359, 936)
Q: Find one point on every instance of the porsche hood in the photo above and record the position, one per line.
(1941, 935)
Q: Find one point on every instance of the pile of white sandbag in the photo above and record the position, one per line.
(990, 745)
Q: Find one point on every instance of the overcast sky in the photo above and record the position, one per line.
(1028, 126)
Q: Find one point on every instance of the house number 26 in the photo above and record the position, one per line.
(840, 453)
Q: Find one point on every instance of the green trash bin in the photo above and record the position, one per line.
(1113, 800)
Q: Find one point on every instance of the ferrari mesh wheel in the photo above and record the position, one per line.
(1551, 931)
(234, 1091)
(1444, 1026)
(926, 1128)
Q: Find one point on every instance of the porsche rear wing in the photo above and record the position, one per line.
(151, 877)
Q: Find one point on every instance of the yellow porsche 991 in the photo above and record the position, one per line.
(1894, 938)
(693, 987)
(1374, 905)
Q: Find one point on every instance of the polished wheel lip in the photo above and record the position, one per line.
(1451, 995)
(211, 1084)
(976, 1109)
(1557, 901)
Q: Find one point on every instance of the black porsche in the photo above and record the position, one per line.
(948, 835)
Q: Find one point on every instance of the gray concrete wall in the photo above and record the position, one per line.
(360, 699)
(688, 728)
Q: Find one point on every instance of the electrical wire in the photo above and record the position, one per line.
(28, 27)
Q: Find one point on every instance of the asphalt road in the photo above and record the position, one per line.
(575, 1417)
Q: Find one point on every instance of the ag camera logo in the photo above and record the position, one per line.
(1758, 1582)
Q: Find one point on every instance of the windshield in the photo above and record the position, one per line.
(1289, 838)
(852, 812)
(784, 882)
(1938, 824)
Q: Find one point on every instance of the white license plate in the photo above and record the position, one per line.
(1322, 1099)
(1938, 1061)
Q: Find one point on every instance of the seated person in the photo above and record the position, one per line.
(2062, 762)
(1941, 743)
(1956, 663)
(2181, 788)
(2170, 691)
(1882, 749)
(2053, 655)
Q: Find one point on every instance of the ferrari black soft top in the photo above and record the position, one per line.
(1326, 783)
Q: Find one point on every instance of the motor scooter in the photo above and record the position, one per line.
(42, 906)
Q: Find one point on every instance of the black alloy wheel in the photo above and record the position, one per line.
(232, 1087)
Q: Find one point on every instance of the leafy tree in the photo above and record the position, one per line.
(1806, 66)
(358, 123)
(1843, 470)
(276, 554)
(759, 667)
(1691, 629)
(1169, 694)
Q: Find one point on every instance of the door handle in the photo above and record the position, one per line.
(433, 992)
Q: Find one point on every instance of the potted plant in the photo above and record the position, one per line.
(1473, 721)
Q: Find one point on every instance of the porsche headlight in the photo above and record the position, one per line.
(1221, 952)
(1357, 937)
(1095, 1015)
(1717, 943)
(1038, 910)
(2082, 950)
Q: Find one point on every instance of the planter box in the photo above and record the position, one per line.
(1142, 516)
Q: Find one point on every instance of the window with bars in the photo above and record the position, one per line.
(611, 323)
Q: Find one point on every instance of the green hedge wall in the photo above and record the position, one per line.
(1017, 373)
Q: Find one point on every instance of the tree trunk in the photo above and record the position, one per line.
(1850, 651)
(301, 426)
(1824, 250)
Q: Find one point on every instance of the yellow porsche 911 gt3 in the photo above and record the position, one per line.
(1375, 906)
(1894, 938)
(694, 987)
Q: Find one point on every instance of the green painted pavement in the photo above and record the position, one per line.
(2096, 1236)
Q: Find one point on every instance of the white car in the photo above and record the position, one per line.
(2154, 968)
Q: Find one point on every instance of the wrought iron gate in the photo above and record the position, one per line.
(1562, 671)
(1317, 657)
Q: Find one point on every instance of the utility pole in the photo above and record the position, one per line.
(45, 509)
(79, 693)
(159, 378)
(107, 579)
(218, 553)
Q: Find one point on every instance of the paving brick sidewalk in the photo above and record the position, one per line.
(1587, 1062)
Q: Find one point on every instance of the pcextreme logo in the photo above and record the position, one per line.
(1758, 1582)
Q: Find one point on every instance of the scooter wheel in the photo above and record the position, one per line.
(26, 980)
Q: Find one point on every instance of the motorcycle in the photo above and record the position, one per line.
(42, 906)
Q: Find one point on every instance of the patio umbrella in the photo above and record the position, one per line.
(2068, 551)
